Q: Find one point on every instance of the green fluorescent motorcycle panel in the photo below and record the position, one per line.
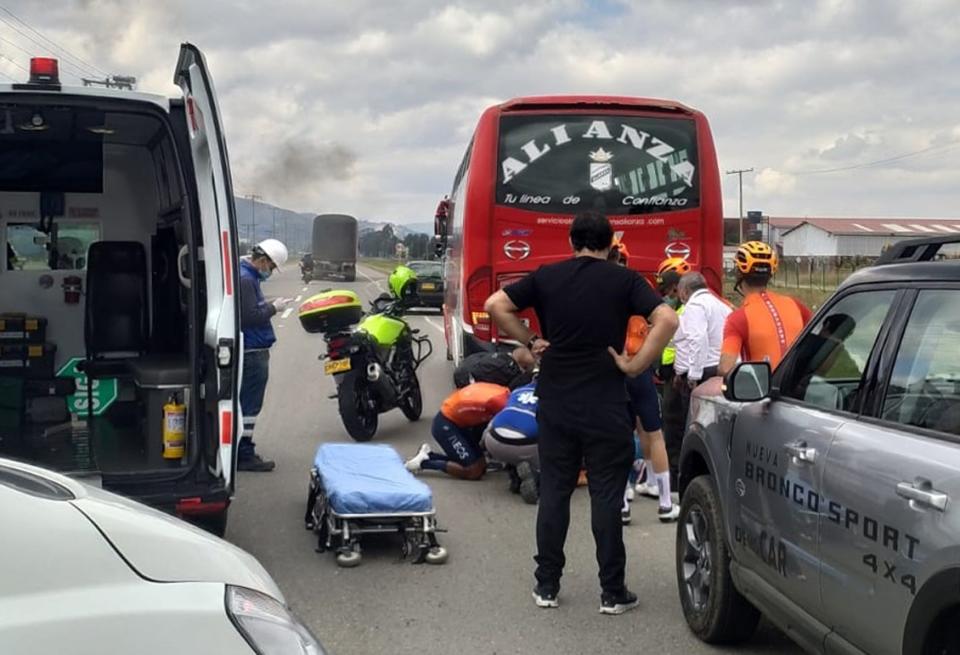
(384, 330)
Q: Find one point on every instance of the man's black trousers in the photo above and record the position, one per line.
(601, 436)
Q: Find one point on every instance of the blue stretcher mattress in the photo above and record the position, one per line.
(369, 479)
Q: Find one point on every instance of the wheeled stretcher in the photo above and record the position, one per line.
(358, 489)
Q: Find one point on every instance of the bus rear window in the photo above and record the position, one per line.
(614, 164)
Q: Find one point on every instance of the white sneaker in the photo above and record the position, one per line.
(414, 463)
(649, 490)
(668, 514)
(631, 494)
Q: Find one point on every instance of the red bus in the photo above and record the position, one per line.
(534, 162)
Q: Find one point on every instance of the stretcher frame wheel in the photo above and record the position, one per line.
(349, 558)
(437, 555)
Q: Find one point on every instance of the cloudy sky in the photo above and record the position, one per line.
(843, 108)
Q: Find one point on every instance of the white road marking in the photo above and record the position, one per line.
(372, 281)
(305, 288)
(297, 299)
(438, 327)
(287, 312)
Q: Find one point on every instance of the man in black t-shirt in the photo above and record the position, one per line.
(583, 305)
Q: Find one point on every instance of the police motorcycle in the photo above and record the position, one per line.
(373, 359)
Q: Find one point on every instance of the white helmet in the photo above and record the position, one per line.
(275, 250)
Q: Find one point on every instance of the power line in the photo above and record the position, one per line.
(37, 43)
(878, 162)
(14, 62)
(30, 54)
(88, 65)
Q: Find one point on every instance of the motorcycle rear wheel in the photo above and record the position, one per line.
(353, 398)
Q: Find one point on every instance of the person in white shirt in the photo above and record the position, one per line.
(700, 335)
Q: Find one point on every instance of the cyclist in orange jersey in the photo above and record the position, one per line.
(766, 323)
(458, 428)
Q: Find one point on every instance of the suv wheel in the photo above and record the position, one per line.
(715, 611)
(943, 637)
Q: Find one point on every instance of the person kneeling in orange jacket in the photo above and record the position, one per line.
(458, 428)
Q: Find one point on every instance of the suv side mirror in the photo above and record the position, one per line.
(748, 382)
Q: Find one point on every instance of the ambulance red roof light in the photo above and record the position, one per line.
(44, 70)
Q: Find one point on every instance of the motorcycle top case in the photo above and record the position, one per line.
(330, 311)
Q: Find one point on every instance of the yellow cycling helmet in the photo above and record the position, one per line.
(756, 257)
(678, 265)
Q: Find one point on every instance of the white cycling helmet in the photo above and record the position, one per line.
(275, 250)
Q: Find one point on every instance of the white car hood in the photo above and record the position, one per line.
(163, 548)
(156, 546)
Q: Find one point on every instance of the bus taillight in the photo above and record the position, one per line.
(479, 288)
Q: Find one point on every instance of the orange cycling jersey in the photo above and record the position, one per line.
(764, 327)
(637, 329)
(475, 404)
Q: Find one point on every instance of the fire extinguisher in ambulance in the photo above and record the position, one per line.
(72, 288)
(174, 428)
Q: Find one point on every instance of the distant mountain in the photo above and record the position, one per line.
(400, 229)
(259, 220)
(420, 228)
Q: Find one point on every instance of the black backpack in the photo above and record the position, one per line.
(495, 368)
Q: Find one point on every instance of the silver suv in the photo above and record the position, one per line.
(824, 494)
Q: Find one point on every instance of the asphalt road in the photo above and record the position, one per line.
(479, 602)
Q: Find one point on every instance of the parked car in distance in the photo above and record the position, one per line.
(429, 282)
(824, 494)
(86, 571)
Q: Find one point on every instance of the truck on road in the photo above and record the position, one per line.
(335, 247)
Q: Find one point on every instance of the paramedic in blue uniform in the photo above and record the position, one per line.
(583, 305)
(511, 438)
(258, 337)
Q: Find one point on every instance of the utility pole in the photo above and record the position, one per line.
(253, 198)
(739, 173)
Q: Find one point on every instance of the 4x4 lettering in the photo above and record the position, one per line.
(908, 580)
(890, 570)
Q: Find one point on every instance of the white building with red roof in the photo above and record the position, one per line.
(853, 237)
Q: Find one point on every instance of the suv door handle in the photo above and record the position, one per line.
(922, 492)
(801, 452)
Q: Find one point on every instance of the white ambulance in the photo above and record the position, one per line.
(119, 334)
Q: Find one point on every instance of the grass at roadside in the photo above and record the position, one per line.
(382, 265)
